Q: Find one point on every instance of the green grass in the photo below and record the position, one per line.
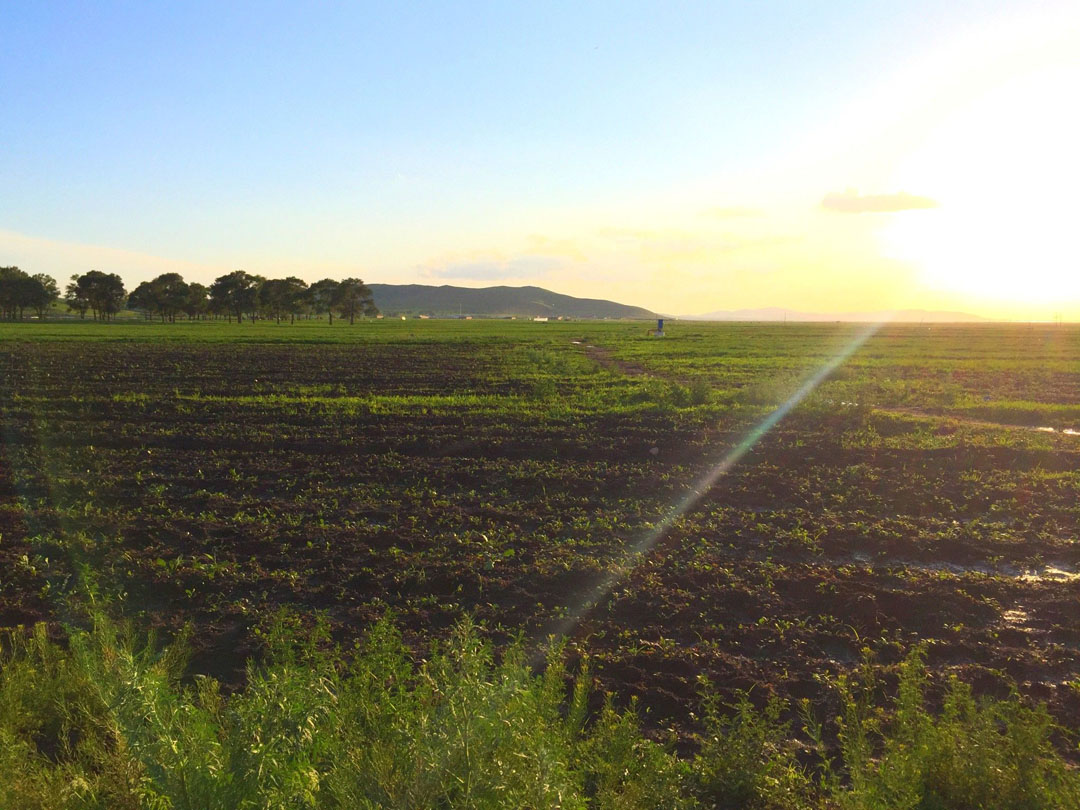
(103, 722)
(387, 330)
(213, 472)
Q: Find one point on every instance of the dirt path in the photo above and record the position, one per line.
(604, 358)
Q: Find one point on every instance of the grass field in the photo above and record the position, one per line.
(643, 496)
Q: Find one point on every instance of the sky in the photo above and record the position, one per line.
(686, 157)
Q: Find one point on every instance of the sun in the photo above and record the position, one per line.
(1005, 171)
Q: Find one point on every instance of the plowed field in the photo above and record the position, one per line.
(642, 495)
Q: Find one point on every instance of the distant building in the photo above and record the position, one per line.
(540, 319)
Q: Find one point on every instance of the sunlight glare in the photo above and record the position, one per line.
(1005, 172)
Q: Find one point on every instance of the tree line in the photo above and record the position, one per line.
(20, 291)
(236, 295)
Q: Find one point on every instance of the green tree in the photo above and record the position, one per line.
(282, 297)
(75, 297)
(142, 299)
(236, 294)
(102, 293)
(45, 294)
(18, 291)
(196, 302)
(165, 296)
(169, 291)
(354, 298)
(322, 295)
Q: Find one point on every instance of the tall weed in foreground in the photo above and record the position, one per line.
(746, 758)
(991, 754)
(104, 722)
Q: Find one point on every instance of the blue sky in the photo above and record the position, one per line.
(402, 141)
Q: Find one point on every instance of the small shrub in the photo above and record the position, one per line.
(700, 391)
(991, 754)
(746, 759)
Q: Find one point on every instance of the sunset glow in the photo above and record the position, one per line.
(1005, 169)
(921, 161)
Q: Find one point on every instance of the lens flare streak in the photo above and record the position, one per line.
(706, 481)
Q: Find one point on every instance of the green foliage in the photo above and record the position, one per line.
(746, 759)
(104, 722)
(668, 394)
(991, 754)
(166, 296)
(548, 475)
(353, 297)
(103, 293)
(235, 294)
(20, 291)
(625, 770)
(107, 723)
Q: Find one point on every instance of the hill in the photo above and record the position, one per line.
(523, 302)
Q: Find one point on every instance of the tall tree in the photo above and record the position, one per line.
(196, 303)
(103, 293)
(168, 293)
(236, 294)
(165, 296)
(45, 294)
(282, 297)
(322, 295)
(18, 291)
(354, 298)
(75, 297)
(142, 300)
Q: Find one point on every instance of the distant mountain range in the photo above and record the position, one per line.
(521, 302)
(778, 314)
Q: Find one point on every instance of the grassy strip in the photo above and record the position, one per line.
(102, 722)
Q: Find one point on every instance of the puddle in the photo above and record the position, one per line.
(839, 652)
(1049, 573)
(919, 414)
(1016, 616)
(1059, 573)
(870, 561)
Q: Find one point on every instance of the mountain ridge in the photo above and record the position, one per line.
(496, 301)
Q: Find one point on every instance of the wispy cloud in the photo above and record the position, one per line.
(496, 269)
(852, 202)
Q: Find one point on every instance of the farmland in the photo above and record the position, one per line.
(577, 478)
